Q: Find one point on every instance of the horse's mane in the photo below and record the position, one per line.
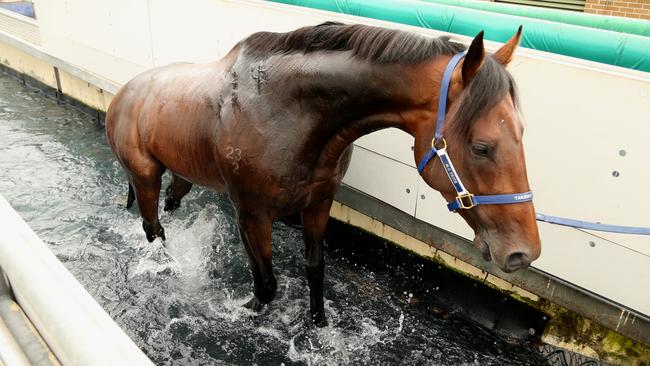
(378, 45)
(383, 46)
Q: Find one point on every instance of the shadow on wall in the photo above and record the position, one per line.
(25, 8)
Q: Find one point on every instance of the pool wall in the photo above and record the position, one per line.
(592, 280)
(46, 316)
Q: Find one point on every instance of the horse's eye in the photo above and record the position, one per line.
(481, 150)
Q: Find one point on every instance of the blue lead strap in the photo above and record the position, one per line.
(593, 225)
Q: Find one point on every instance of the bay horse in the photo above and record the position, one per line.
(272, 123)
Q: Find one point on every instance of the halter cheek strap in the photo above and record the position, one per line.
(464, 199)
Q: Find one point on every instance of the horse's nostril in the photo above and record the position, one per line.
(516, 261)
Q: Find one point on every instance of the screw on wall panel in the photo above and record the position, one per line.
(615, 173)
(408, 190)
(422, 196)
(622, 152)
(592, 244)
(412, 148)
(531, 331)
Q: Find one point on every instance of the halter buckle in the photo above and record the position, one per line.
(465, 201)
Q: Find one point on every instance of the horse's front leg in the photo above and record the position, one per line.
(255, 231)
(314, 221)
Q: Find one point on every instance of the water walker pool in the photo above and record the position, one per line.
(182, 303)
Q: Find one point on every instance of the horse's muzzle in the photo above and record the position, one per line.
(483, 247)
(508, 260)
(516, 261)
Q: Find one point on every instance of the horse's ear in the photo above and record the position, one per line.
(506, 52)
(473, 59)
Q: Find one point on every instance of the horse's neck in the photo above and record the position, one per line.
(355, 98)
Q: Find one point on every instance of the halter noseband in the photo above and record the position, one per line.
(464, 200)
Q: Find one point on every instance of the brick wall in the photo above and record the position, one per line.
(623, 8)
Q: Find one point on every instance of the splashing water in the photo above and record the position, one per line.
(181, 302)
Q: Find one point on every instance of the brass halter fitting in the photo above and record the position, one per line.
(444, 143)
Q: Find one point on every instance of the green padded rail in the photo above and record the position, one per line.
(619, 49)
(615, 24)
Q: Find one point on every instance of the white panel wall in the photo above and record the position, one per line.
(579, 120)
(109, 38)
(392, 143)
(390, 181)
(606, 268)
(580, 115)
(209, 36)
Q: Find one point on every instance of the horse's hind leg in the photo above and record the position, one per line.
(255, 231)
(147, 191)
(314, 221)
(131, 197)
(176, 190)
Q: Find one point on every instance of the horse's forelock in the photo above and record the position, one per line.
(490, 85)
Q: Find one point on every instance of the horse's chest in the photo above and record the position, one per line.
(297, 197)
(291, 190)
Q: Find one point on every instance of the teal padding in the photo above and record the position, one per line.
(615, 24)
(619, 49)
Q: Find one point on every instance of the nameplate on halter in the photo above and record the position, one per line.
(523, 197)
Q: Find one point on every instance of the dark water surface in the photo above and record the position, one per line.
(182, 304)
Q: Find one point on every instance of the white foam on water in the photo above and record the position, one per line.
(190, 242)
(155, 260)
(289, 313)
(129, 228)
(192, 322)
(185, 253)
(296, 356)
(271, 332)
(229, 307)
(475, 363)
(333, 345)
(401, 323)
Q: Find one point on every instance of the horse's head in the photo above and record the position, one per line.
(483, 132)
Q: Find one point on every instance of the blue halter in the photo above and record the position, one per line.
(464, 200)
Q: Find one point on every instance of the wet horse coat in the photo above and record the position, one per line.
(272, 123)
